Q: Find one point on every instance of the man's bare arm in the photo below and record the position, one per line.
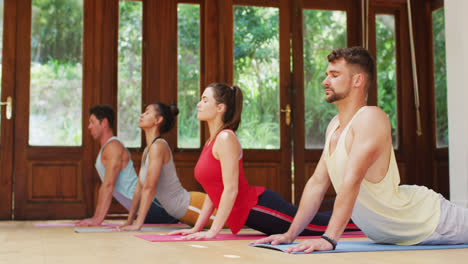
(370, 130)
(311, 199)
(112, 160)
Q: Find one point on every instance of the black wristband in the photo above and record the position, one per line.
(329, 240)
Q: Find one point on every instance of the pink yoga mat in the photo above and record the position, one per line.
(240, 236)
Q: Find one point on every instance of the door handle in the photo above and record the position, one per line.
(9, 107)
(287, 110)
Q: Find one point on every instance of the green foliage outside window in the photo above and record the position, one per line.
(56, 73)
(323, 32)
(188, 75)
(386, 70)
(129, 72)
(440, 77)
(256, 71)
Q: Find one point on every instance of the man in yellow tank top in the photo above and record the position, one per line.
(358, 160)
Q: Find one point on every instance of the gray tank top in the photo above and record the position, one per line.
(169, 192)
(126, 180)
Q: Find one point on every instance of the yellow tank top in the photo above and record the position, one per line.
(386, 211)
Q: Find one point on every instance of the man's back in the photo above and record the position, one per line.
(124, 184)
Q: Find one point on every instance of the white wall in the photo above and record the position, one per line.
(456, 30)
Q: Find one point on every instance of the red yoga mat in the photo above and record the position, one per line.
(240, 236)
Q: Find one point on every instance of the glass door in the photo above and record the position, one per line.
(48, 110)
(261, 67)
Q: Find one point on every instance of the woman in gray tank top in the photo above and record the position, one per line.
(158, 177)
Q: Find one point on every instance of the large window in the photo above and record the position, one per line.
(129, 72)
(188, 75)
(440, 77)
(256, 71)
(323, 32)
(56, 73)
(386, 70)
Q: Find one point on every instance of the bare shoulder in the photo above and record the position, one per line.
(226, 142)
(372, 118)
(113, 149)
(226, 137)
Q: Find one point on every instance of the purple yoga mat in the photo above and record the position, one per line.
(240, 236)
(103, 224)
(69, 224)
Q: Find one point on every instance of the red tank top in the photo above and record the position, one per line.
(208, 174)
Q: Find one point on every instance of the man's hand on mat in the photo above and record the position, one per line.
(183, 232)
(275, 239)
(200, 235)
(311, 245)
(88, 222)
(132, 227)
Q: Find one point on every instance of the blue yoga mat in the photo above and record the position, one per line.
(364, 246)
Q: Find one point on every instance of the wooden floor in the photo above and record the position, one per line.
(21, 242)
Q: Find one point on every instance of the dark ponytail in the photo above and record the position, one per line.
(232, 97)
(168, 112)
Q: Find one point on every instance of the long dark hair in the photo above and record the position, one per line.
(232, 97)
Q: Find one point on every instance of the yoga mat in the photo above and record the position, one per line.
(363, 246)
(69, 224)
(240, 236)
(145, 228)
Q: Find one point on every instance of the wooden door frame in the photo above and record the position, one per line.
(100, 55)
(305, 160)
(7, 126)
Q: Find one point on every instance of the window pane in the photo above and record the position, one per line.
(1, 52)
(440, 77)
(188, 75)
(323, 32)
(56, 73)
(386, 70)
(129, 75)
(256, 71)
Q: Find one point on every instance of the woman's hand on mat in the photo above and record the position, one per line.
(183, 232)
(201, 235)
(275, 239)
(88, 222)
(311, 245)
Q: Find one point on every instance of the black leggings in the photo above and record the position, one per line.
(157, 215)
(273, 215)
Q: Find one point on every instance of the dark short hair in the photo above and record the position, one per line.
(232, 97)
(168, 112)
(102, 112)
(357, 56)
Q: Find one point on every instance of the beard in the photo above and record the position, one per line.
(335, 96)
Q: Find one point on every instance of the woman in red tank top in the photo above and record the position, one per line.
(220, 172)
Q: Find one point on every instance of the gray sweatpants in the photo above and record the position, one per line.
(452, 227)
